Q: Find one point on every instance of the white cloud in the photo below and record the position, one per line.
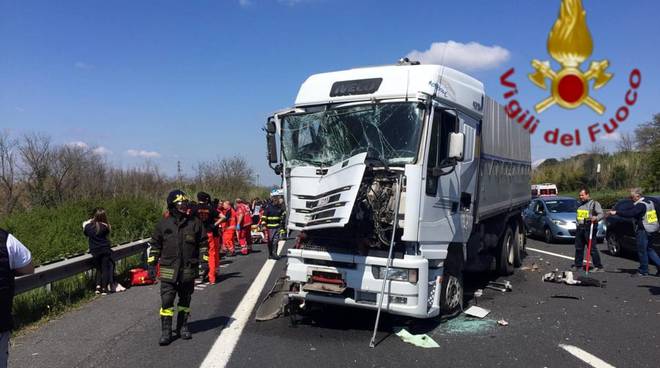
(83, 65)
(142, 153)
(101, 151)
(78, 144)
(614, 137)
(462, 56)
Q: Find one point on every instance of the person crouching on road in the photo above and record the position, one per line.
(177, 244)
(228, 222)
(646, 227)
(588, 212)
(244, 226)
(15, 260)
(207, 214)
(97, 231)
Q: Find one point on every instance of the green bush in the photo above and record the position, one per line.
(52, 234)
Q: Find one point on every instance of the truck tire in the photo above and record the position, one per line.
(451, 288)
(519, 246)
(506, 258)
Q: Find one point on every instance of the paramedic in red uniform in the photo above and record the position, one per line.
(244, 226)
(228, 220)
(207, 213)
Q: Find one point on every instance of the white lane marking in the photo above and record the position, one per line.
(588, 358)
(224, 345)
(550, 253)
(280, 245)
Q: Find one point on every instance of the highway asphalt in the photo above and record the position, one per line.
(549, 325)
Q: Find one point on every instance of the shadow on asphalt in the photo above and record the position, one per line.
(341, 318)
(629, 271)
(228, 275)
(209, 324)
(654, 290)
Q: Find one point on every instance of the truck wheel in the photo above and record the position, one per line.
(519, 247)
(451, 287)
(613, 245)
(506, 258)
(451, 295)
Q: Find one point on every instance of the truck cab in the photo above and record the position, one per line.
(378, 158)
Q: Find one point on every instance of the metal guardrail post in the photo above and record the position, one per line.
(45, 275)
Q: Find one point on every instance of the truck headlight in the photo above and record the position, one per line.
(396, 274)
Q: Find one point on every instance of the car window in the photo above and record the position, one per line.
(538, 207)
(562, 205)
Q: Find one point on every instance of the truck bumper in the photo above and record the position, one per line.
(419, 300)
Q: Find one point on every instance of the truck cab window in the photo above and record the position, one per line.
(438, 148)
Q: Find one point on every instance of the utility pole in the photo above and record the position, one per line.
(178, 172)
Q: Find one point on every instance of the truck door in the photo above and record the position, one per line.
(440, 222)
(468, 170)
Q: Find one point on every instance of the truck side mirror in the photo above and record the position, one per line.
(272, 148)
(271, 143)
(456, 145)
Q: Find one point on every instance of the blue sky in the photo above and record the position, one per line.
(194, 80)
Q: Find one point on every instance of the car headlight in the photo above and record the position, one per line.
(396, 274)
(559, 222)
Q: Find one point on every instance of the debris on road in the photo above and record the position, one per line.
(534, 267)
(566, 277)
(477, 312)
(500, 286)
(464, 325)
(565, 297)
(422, 340)
(502, 322)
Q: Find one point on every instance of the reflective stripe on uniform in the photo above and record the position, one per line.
(167, 273)
(151, 259)
(183, 309)
(167, 312)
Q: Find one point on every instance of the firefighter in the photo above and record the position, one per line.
(273, 215)
(177, 244)
(243, 226)
(228, 223)
(208, 214)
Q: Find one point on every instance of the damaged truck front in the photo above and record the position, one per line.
(412, 158)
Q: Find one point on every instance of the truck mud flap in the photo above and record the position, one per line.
(274, 304)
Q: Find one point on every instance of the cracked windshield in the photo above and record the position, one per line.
(389, 132)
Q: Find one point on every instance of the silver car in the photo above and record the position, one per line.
(554, 218)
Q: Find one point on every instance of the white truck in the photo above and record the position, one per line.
(407, 171)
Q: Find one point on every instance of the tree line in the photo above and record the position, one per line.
(636, 163)
(36, 172)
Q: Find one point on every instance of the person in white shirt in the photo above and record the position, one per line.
(15, 260)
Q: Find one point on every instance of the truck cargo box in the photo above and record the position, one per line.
(505, 163)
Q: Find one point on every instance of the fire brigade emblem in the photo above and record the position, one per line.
(570, 44)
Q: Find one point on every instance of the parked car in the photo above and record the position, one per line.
(554, 218)
(620, 232)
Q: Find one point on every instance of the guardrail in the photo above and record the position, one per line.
(47, 274)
